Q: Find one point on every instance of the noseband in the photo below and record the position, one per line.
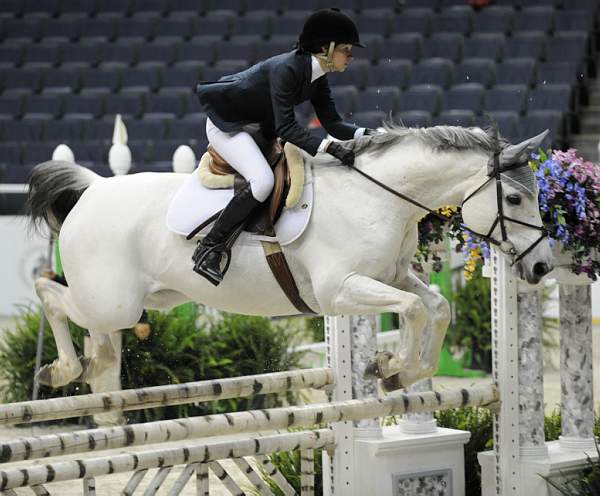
(501, 219)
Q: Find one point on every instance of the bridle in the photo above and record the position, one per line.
(495, 173)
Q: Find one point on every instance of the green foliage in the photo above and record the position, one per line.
(478, 421)
(288, 463)
(17, 358)
(552, 426)
(315, 327)
(471, 328)
(178, 350)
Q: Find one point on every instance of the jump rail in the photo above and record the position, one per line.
(242, 422)
(188, 454)
(176, 394)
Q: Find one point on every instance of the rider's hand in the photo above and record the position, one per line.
(370, 132)
(344, 155)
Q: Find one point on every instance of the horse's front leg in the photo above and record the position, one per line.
(434, 332)
(364, 295)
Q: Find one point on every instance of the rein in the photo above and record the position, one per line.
(500, 217)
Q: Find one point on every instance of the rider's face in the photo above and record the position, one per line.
(342, 55)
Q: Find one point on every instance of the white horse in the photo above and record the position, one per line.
(353, 258)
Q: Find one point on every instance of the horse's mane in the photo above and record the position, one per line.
(440, 138)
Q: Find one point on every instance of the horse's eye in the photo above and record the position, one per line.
(513, 199)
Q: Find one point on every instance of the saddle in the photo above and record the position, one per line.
(288, 170)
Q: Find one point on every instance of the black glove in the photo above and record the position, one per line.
(369, 131)
(344, 155)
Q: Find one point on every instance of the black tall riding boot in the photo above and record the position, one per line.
(209, 252)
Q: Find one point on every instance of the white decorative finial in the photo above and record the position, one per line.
(184, 160)
(119, 155)
(63, 153)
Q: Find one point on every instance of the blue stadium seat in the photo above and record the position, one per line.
(92, 154)
(345, 98)
(494, 19)
(506, 97)
(42, 56)
(23, 131)
(590, 6)
(444, 45)
(270, 5)
(290, 6)
(532, 45)
(402, 46)
(215, 24)
(141, 150)
(276, 45)
(463, 118)
(100, 81)
(156, 54)
(198, 50)
(545, 3)
(374, 21)
(101, 29)
(467, 96)
(134, 29)
(538, 120)
(239, 48)
(163, 106)
(413, 118)
(476, 70)
(63, 131)
(82, 107)
(61, 81)
(574, 20)
(435, 71)
(87, 7)
(161, 7)
(253, 23)
(428, 4)
(20, 80)
(191, 106)
(392, 73)
(11, 8)
(550, 97)
(63, 30)
(516, 71)
(36, 153)
(371, 51)
(454, 19)
(10, 154)
(290, 22)
(140, 80)
(82, 55)
(97, 129)
(23, 30)
(179, 79)
(11, 107)
(413, 20)
(173, 29)
(122, 7)
(355, 74)
(43, 107)
(567, 46)
(422, 97)
(508, 123)
(560, 72)
(11, 56)
(145, 129)
(484, 45)
(381, 99)
(185, 130)
(535, 19)
(162, 156)
(237, 6)
(372, 119)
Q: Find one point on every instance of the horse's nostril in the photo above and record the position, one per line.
(541, 269)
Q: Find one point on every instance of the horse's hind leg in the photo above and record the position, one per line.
(55, 302)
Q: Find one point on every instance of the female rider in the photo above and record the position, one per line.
(266, 93)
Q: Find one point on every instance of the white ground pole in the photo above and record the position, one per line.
(521, 456)
(368, 459)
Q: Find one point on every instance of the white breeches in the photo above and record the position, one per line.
(241, 152)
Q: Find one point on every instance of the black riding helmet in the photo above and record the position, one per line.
(326, 25)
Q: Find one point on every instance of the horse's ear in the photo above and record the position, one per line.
(519, 153)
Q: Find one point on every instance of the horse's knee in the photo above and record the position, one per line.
(442, 312)
(417, 313)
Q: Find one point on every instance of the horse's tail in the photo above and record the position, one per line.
(54, 188)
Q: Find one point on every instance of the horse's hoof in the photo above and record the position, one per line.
(392, 383)
(44, 376)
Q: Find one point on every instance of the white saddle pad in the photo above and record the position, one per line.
(193, 204)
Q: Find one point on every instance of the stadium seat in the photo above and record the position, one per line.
(100, 29)
(239, 48)
(275, 45)
(82, 107)
(100, 81)
(444, 45)
(402, 46)
(506, 97)
(467, 96)
(560, 72)
(463, 118)
(289, 22)
(10, 155)
(381, 99)
(435, 71)
(11, 107)
(43, 107)
(36, 153)
(217, 24)
(345, 98)
(537, 121)
(392, 73)
(198, 50)
(413, 20)
(373, 21)
(508, 123)
(484, 45)
(23, 131)
(11, 56)
(422, 98)
(173, 29)
(97, 130)
(236, 6)
(62, 131)
(413, 118)
(120, 55)
(532, 45)
(482, 71)
(122, 7)
(224, 68)
(163, 106)
(567, 47)
(371, 119)
(183, 130)
(550, 97)
(179, 79)
(516, 71)
(574, 20)
(61, 81)
(16, 81)
(42, 56)
(454, 19)
(371, 51)
(82, 55)
(145, 129)
(494, 19)
(253, 23)
(534, 19)
(63, 30)
(23, 30)
(355, 74)
(129, 105)
(140, 80)
(155, 54)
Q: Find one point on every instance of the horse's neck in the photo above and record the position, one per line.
(435, 179)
